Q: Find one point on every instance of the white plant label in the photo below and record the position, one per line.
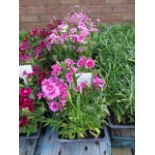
(25, 69)
(82, 77)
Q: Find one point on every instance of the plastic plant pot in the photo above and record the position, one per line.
(106, 136)
(34, 136)
(122, 135)
(105, 140)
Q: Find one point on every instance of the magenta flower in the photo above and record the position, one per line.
(69, 77)
(50, 89)
(54, 106)
(64, 36)
(56, 69)
(80, 38)
(73, 69)
(69, 62)
(25, 91)
(39, 95)
(89, 63)
(98, 82)
(81, 62)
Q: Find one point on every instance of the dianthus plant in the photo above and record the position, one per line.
(77, 105)
(72, 38)
(31, 108)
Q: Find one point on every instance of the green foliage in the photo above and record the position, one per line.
(22, 35)
(34, 117)
(82, 113)
(114, 54)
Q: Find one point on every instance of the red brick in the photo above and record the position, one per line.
(53, 10)
(38, 2)
(124, 8)
(33, 10)
(44, 18)
(69, 1)
(131, 1)
(129, 17)
(30, 26)
(92, 1)
(99, 9)
(27, 18)
(114, 16)
(22, 10)
(115, 1)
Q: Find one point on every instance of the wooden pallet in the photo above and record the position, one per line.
(122, 151)
(48, 145)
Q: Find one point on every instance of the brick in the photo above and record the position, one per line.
(115, 1)
(27, 18)
(33, 10)
(92, 2)
(131, 1)
(53, 10)
(38, 2)
(44, 18)
(69, 2)
(124, 8)
(129, 16)
(22, 10)
(99, 9)
(112, 16)
(30, 26)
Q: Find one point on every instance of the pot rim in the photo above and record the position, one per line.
(106, 135)
(115, 126)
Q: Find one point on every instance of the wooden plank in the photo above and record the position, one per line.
(122, 151)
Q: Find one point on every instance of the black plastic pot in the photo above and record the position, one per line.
(122, 135)
(34, 136)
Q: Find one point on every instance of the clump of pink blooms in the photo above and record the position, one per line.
(25, 102)
(76, 28)
(24, 99)
(55, 88)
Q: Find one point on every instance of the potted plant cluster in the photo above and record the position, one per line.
(117, 51)
(63, 66)
(75, 101)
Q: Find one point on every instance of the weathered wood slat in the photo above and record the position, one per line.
(28, 146)
(121, 151)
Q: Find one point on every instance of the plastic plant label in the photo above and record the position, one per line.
(24, 70)
(84, 77)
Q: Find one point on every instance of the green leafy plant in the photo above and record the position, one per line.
(31, 109)
(79, 109)
(114, 54)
